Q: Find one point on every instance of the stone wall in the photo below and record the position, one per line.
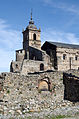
(62, 58)
(16, 66)
(1, 88)
(71, 83)
(30, 66)
(20, 55)
(22, 95)
(70, 61)
(30, 61)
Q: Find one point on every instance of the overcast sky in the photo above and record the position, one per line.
(58, 20)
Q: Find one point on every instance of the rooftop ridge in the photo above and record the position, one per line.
(59, 44)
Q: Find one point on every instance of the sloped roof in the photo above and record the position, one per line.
(64, 45)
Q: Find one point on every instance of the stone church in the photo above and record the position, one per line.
(51, 56)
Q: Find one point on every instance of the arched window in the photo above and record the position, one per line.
(76, 57)
(41, 67)
(16, 65)
(34, 36)
(64, 56)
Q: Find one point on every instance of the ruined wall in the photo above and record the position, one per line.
(1, 88)
(30, 66)
(71, 60)
(71, 84)
(20, 55)
(22, 95)
(30, 61)
(1, 94)
(15, 66)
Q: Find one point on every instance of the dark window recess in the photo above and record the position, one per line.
(76, 57)
(34, 36)
(16, 66)
(41, 67)
(34, 58)
(64, 56)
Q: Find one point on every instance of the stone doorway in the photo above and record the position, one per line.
(44, 84)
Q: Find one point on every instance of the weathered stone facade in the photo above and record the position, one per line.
(31, 58)
(62, 56)
(51, 56)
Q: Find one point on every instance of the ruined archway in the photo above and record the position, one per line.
(44, 84)
(34, 36)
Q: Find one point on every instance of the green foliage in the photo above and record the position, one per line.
(8, 91)
(29, 117)
(61, 79)
(51, 90)
(54, 94)
(58, 117)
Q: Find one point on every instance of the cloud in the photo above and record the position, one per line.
(63, 6)
(57, 36)
(10, 40)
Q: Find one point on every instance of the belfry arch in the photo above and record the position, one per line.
(34, 36)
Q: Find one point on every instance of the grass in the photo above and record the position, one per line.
(61, 79)
(59, 117)
(8, 91)
(29, 117)
(11, 118)
(54, 117)
(55, 95)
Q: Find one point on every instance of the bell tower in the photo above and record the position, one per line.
(31, 36)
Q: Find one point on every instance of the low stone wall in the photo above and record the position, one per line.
(21, 93)
(34, 66)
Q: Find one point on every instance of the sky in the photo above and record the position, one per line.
(58, 20)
